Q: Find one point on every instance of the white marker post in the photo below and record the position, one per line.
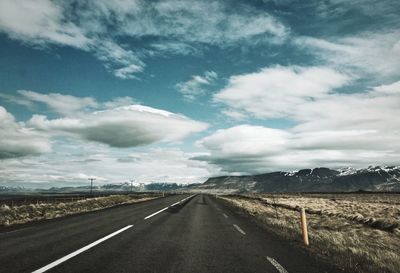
(303, 220)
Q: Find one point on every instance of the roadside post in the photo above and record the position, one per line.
(304, 230)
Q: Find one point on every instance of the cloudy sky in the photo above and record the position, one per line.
(177, 91)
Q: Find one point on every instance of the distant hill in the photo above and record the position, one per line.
(117, 187)
(310, 180)
(385, 179)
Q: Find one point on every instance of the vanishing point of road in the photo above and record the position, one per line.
(179, 233)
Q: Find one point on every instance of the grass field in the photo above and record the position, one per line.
(23, 213)
(360, 232)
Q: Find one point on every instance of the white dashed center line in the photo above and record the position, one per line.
(157, 212)
(161, 210)
(277, 265)
(239, 229)
(226, 216)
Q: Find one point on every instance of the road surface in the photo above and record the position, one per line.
(179, 233)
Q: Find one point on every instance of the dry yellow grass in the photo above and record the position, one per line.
(33, 212)
(333, 228)
(377, 211)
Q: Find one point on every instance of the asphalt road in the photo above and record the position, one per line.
(198, 234)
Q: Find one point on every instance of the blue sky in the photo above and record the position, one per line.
(178, 91)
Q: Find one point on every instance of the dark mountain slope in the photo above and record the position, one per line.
(311, 180)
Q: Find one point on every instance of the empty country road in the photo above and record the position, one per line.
(180, 233)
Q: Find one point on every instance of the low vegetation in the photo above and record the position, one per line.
(355, 231)
(10, 215)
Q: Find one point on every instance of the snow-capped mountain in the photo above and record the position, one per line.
(373, 178)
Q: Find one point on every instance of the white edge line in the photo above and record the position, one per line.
(79, 251)
(161, 210)
(277, 265)
(239, 229)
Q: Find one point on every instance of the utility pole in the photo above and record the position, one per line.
(132, 185)
(91, 184)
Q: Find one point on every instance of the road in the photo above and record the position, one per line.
(198, 234)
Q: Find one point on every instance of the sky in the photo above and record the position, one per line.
(179, 91)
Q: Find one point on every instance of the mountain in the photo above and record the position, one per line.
(7, 189)
(310, 180)
(385, 179)
(163, 186)
(105, 188)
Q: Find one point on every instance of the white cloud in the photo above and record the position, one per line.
(256, 149)
(374, 109)
(123, 63)
(174, 48)
(99, 26)
(393, 88)
(117, 102)
(72, 150)
(17, 141)
(172, 165)
(333, 130)
(117, 123)
(72, 167)
(246, 149)
(386, 9)
(39, 22)
(65, 105)
(369, 52)
(128, 72)
(195, 87)
(49, 23)
(62, 104)
(278, 91)
(211, 22)
(234, 114)
(126, 126)
(17, 100)
(246, 139)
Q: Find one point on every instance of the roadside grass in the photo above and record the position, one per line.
(342, 232)
(33, 212)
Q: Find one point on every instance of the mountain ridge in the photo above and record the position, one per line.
(372, 178)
